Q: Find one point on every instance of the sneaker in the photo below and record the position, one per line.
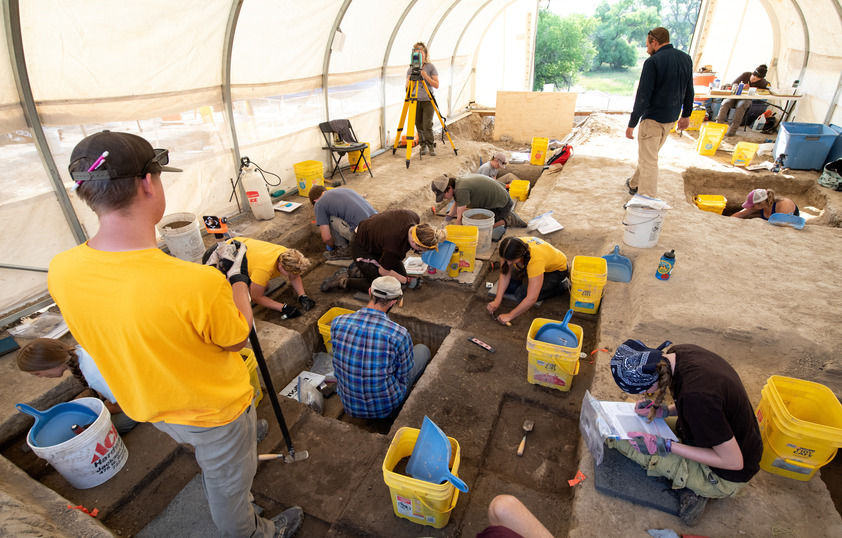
(343, 253)
(338, 280)
(497, 233)
(514, 221)
(432, 150)
(690, 506)
(288, 522)
(306, 302)
(632, 191)
(423, 150)
(262, 429)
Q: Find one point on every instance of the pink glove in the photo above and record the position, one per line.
(646, 443)
(642, 408)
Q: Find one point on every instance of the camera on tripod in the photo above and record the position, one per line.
(415, 63)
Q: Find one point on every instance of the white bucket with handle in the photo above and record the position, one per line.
(483, 219)
(183, 236)
(89, 458)
(642, 226)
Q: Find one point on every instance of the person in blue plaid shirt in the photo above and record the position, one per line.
(374, 360)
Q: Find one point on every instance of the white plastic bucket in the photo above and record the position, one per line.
(185, 240)
(642, 226)
(93, 456)
(483, 219)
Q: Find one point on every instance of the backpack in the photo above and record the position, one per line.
(562, 155)
(832, 175)
(771, 125)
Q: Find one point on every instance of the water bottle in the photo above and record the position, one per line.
(740, 88)
(716, 83)
(665, 265)
(257, 193)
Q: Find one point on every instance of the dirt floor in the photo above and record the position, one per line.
(761, 296)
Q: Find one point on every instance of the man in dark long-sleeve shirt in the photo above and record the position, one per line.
(664, 92)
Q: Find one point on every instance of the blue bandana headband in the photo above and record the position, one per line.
(633, 365)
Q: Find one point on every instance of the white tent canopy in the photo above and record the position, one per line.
(214, 80)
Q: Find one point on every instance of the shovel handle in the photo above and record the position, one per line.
(522, 446)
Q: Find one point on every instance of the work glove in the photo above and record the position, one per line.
(646, 443)
(642, 408)
(289, 312)
(413, 283)
(231, 261)
(306, 302)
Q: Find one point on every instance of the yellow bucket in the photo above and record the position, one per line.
(519, 189)
(324, 324)
(801, 425)
(588, 276)
(551, 365)
(251, 364)
(697, 117)
(714, 203)
(466, 239)
(744, 153)
(307, 174)
(539, 150)
(710, 137)
(354, 156)
(419, 501)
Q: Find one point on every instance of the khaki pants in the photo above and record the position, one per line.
(683, 473)
(651, 136)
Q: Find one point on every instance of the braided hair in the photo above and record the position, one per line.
(512, 248)
(46, 354)
(664, 383)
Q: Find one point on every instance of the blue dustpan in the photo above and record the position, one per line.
(54, 426)
(440, 258)
(430, 459)
(619, 267)
(785, 219)
(558, 334)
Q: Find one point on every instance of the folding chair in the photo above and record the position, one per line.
(340, 139)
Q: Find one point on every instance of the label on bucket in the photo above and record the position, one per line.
(782, 464)
(104, 459)
(406, 507)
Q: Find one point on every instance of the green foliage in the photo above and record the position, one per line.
(680, 18)
(562, 48)
(619, 27)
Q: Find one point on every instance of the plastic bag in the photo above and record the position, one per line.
(322, 363)
(311, 396)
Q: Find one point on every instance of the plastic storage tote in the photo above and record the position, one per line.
(805, 145)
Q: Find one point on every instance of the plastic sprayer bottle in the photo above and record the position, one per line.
(257, 193)
(665, 265)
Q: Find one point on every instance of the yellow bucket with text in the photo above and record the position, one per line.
(355, 160)
(419, 501)
(466, 239)
(551, 365)
(307, 174)
(519, 189)
(588, 276)
(744, 153)
(710, 137)
(539, 150)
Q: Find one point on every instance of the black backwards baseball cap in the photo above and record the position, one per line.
(633, 365)
(118, 156)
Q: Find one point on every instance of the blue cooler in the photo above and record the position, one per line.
(836, 149)
(806, 145)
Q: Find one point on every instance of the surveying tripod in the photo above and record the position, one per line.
(410, 105)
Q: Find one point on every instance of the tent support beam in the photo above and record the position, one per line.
(228, 105)
(326, 63)
(456, 50)
(14, 41)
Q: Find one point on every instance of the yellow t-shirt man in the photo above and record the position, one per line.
(155, 327)
(543, 257)
(262, 259)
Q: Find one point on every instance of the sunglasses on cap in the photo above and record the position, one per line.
(161, 158)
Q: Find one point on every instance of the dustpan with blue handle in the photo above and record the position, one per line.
(440, 258)
(54, 426)
(786, 219)
(558, 334)
(619, 267)
(430, 459)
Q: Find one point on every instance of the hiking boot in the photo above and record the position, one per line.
(343, 253)
(432, 150)
(306, 302)
(423, 150)
(262, 429)
(288, 522)
(512, 220)
(354, 271)
(632, 191)
(338, 281)
(690, 506)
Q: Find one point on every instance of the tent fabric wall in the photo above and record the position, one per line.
(156, 68)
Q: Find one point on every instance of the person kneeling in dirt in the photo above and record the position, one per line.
(542, 265)
(338, 213)
(493, 166)
(373, 357)
(267, 261)
(763, 203)
(720, 446)
(47, 357)
(476, 191)
(382, 242)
